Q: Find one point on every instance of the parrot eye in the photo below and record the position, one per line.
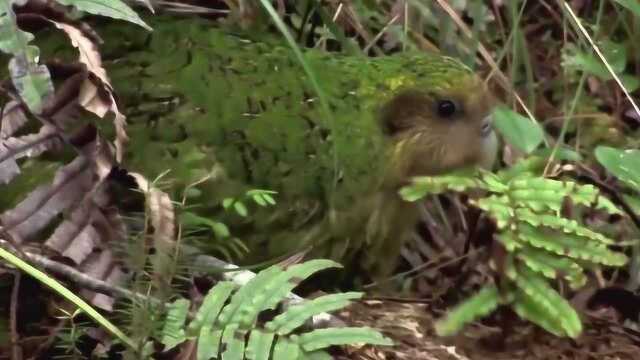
(446, 108)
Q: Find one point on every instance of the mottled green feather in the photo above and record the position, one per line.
(237, 110)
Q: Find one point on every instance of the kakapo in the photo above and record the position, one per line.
(231, 112)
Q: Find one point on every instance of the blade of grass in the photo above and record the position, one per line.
(67, 294)
(583, 31)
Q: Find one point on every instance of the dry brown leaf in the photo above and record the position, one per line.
(14, 148)
(96, 98)
(13, 119)
(76, 237)
(8, 167)
(43, 205)
(162, 217)
(102, 266)
(89, 54)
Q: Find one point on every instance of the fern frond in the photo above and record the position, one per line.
(323, 338)
(259, 345)
(173, 330)
(208, 343)
(543, 245)
(499, 207)
(565, 225)
(475, 307)
(570, 245)
(266, 290)
(421, 186)
(296, 315)
(234, 330)
(211, 306)
(552, 308)
(552, 266)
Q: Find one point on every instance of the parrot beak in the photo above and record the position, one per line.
(487, 126)
(490, 148)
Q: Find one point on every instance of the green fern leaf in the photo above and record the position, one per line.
(270, 293)
(603, 203)
(296, 315)
(233, 342)
(317, 355)
(548, 302)
(244, 295)
(529, 167)
(423, 185)
(323, 338)
(510, 241)
(173, 330)
(551, 266)
(530, 310)
(570, 245)
(286, 349)
(493, 183)
(477, 306)
(259, 345)
(208, 343)
(499, 208)
(565, 225)
(211, 306)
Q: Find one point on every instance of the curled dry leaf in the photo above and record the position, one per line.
(96, 94)
(14, 148)
(13, 119)
(162, 217)
(102, 266)
(46, 202)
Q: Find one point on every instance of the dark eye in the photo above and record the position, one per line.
(446, 108)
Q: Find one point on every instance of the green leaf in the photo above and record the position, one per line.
(233, 341)
(173, 329)
(616, 55)
(550, 306)
(269, 293)
(296, 315)
(115, 9)
(220, 229)
(240, 208)
(518, 130)
(31, 80)
(631, 5)
(473, 308)
(259, 345)
(286, 349)
(211, 306)
(323, 338)
(423, 185)
(551, 266)
(624, 164)
(208, 343)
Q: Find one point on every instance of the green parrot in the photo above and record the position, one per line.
(219, 113)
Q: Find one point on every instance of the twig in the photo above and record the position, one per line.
(78, 277)
(16, 350)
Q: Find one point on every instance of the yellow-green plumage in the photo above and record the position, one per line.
(205, 103)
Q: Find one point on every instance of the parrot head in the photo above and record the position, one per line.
(441, 123)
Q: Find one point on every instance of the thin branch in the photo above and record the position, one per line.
(77, 276)
(16, 350)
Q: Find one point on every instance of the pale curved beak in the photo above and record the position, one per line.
(487, 126)
(491, 144)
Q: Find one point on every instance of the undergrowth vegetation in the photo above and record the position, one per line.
(115, 179)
